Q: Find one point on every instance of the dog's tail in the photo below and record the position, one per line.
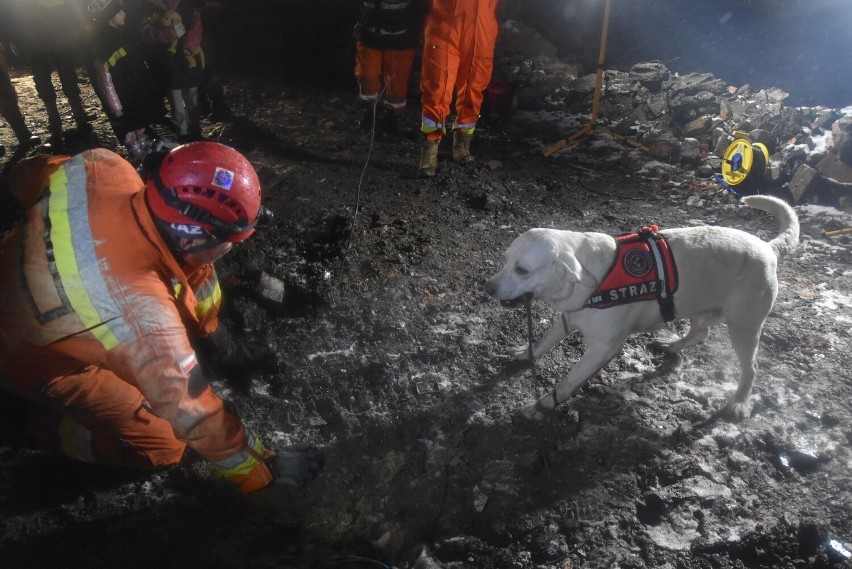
(788, 237)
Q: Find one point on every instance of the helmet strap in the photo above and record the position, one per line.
(221, 228)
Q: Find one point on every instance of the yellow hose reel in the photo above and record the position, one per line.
(744, 166)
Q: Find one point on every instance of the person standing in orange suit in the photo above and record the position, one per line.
(385, 38)
(458, 57)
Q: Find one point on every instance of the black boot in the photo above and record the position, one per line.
(367, 117)
(390, 122)
(461, 147)
(428, 158)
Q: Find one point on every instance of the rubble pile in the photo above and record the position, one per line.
(689, 120)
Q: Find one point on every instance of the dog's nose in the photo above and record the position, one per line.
(489, 287)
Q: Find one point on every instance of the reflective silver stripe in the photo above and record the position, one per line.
(241, 462)
(661, 268)
(467, 127)
(207, 304)
(89, 267)
(233, 461)
(429, 123)
(209, 291)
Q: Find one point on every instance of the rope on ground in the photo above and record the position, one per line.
(357, 209)
(530, 348)
(364, 169)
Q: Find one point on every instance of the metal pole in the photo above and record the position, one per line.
(600, 70)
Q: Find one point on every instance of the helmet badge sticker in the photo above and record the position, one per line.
(223, 179)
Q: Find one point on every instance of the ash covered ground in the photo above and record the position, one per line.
(391, 359)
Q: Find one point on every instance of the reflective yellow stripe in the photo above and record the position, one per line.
(247, 461)
(206, 302)
(118, 54)
(466, 128)
(75, 439)
(66, 261)
(428, 126)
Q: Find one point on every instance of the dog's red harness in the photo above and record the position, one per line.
(644, 269)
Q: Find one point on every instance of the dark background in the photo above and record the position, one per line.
(802, 47)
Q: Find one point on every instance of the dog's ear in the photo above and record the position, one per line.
(571, 270)
(567, 273)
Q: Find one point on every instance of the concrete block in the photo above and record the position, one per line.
(803, 184)
(271, 288)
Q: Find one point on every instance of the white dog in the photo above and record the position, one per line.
(720, 274)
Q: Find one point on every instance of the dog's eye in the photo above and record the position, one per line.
(521, 271)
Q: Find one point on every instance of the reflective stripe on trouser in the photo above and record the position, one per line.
(458, 58)
(106, 420)
(244, 460)
(383, 69)
(246, 468)
(432, 129)
(465, 128)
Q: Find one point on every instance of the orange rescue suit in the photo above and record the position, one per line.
(391, 68)
(95, 319)
(458, 57)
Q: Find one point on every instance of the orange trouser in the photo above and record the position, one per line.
(389, 69)
(89, 413)
(458, 57)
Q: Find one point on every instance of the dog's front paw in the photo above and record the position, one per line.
(735, 411)
(532, 412)
(521, 352)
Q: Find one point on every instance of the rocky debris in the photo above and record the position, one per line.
(270, 288)
(690, 120)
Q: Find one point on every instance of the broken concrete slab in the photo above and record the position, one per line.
(804, 183)
(270, 288)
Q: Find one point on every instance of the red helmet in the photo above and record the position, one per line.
(205, 189)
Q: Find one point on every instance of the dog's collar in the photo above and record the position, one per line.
(644, 269)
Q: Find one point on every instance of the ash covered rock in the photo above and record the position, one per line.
(689, 119)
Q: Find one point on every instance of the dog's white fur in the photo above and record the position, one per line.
(725, 275)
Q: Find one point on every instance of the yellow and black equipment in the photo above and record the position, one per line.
(745, 165)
